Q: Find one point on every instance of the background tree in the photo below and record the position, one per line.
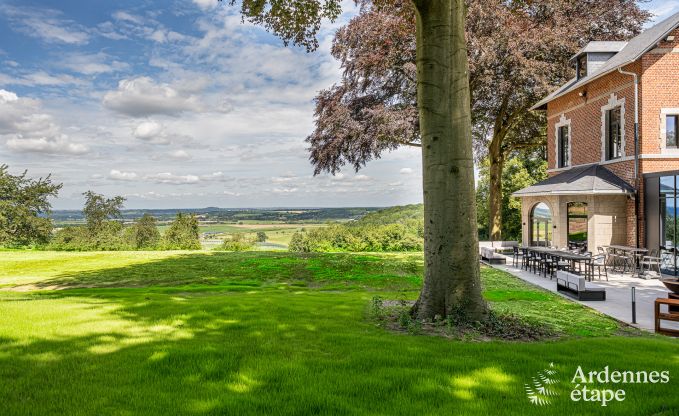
(183, 233)
(520, 171)
(99, 209)
(261, 237)
(518, 52)
(25, 208)
(145, 232)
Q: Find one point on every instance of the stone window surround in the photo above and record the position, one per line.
(563, 122)
(664, 112)
(613, 102)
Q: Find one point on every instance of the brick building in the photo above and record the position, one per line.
(613, 149)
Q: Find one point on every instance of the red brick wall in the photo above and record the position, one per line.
(585, 115)
(660, 89)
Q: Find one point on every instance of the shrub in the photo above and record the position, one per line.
(144, 233)
(354, 238)
(237, 242)
(183, 234)
(71, 239)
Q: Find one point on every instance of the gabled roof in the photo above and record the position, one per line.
(580, 180)
(601, 46)
(632, 51)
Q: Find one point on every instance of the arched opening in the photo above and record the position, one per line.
(577, 226)
(541, 225)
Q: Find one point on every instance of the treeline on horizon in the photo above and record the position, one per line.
(234, 215)
(26, 220)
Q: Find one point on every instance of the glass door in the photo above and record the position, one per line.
(668, 225)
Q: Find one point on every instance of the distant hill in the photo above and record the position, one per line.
(290, 215)
(404, 214)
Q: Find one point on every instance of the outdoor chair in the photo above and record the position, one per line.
(598, 261)
(649, 263)
(550, 266)
(628, 262)
(524, 258)
(516, 256)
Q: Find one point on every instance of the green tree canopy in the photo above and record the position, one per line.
(24, 208)
(145, 232)
(99, 209)
(183, 233)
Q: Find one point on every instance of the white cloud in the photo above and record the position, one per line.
(142, 96)
(122, 176)
(205, 4)
(91, 64)
(405, 171)
(40, 78)
(45, 24)
(129, 17)
(169, 178)
(49, 145)
(179, 155)
(27, 129)
(148, 130)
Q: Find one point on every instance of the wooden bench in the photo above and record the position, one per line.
(666, 316)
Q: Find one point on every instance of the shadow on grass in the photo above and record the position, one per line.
(396, 272)
(270, 348)
(130, 352)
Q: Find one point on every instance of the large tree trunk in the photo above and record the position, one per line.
(452, 284)
(497, 164)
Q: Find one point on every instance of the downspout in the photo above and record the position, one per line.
(636, 150)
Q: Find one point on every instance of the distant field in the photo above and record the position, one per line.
(279, 234)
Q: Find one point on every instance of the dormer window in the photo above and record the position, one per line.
(581, 66)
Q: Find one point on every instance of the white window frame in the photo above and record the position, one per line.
(613, 102)
(563, 122)
(664, 112)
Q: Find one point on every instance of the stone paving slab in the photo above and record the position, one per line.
(618, 303)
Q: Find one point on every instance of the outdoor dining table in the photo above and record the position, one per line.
(563, 255)
(637, 251)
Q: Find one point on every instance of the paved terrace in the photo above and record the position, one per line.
(618, 303)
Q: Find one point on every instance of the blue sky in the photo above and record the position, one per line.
(176, 103)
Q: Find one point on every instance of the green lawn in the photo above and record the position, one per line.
(278, 333)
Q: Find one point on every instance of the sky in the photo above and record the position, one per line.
(177, 104)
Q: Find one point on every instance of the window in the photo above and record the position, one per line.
(613, 133)
(577, 226)
(541, 225)
(581, 66)
(671, 121)
(563, 147)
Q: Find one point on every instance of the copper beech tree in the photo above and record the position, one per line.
(443, 125)
(518, 52)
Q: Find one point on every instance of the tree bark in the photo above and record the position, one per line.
(452, 284)
(497, 162)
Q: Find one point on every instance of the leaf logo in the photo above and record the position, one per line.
(539, 391)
